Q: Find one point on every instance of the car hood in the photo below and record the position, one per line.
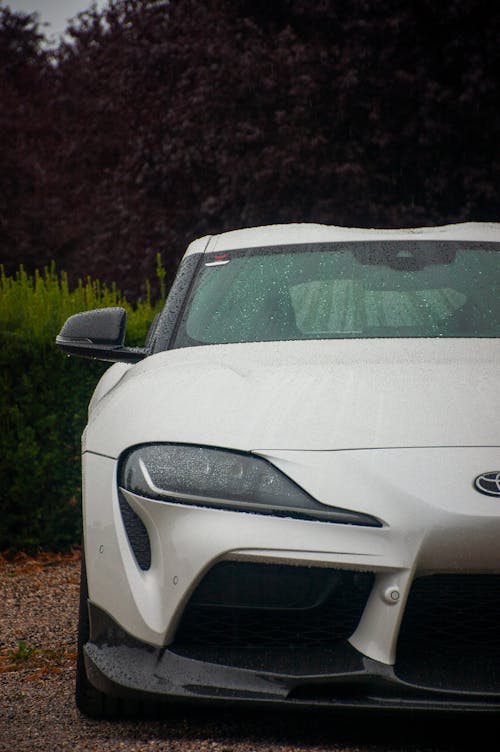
(319, 395)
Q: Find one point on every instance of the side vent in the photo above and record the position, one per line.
(137, 534)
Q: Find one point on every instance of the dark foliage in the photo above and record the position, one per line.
(23, 131)
(43, 406)
(163, 121)
(42, 420)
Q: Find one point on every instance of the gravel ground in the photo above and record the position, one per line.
(38, 614)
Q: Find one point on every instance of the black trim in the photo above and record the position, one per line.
(137, 534)
(175, 302)
(331, 515)
(121, 666)
(103, 352)
(99, 335)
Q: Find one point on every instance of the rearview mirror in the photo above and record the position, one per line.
(98, 334)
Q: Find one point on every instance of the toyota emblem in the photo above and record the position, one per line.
(488, 483)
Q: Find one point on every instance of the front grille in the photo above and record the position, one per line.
(450, 634)
(246, 605)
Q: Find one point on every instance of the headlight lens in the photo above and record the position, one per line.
(204, 476)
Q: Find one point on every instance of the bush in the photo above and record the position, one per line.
(44, 403)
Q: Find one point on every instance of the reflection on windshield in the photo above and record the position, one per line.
(377, 289)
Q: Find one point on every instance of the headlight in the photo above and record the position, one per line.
(202, 476)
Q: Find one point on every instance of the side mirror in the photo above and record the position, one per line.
(99, 334)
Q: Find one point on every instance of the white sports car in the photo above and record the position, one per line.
(292, 492)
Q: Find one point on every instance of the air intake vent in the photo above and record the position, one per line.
(136, 533)
(450, 635)
(245, 605)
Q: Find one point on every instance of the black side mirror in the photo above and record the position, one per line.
(99, 334)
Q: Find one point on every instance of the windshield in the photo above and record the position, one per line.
(345, 290)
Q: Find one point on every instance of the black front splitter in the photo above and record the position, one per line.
(338, 677)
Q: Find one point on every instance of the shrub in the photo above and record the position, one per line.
(44, 402)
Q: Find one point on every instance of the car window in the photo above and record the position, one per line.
(377, 289)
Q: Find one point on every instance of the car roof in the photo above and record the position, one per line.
(292, 234)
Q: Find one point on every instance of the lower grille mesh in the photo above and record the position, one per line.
(450, 635)
(246, 605)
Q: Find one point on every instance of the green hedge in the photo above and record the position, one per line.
(43, 406)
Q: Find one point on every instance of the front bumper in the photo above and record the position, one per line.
(434, 522)
(340, 678)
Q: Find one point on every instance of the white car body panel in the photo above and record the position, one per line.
(397, 429)
(427, 528)
(270, 235)
(336, 430)
(316, 395)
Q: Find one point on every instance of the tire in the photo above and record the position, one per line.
(89, 700)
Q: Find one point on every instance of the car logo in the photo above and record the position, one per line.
(488, 483)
